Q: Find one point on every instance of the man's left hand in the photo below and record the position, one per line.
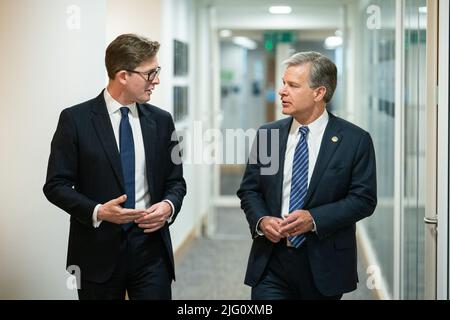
(156, 217)
(296, 223)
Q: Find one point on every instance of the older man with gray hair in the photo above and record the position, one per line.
(302, 218)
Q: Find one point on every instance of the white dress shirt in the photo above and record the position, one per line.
(314, 140)
(141, 184)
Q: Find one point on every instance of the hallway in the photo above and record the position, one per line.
(214, 269)
(221, 71)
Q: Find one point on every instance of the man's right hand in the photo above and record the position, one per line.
(270, 226)
(113, 212)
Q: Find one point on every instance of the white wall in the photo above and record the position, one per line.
(143, 17)
(178, 23)
(46, 67)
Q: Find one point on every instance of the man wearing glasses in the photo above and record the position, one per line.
(112, 168)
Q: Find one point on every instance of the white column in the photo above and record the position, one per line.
(51, 58)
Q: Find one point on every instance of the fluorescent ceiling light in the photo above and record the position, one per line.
(423, 10)
(245, 42)
(225, 33)
(280, 9)
(332, 43)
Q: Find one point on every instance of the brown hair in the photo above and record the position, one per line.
(127, 52)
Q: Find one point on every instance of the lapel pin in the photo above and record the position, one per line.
(335, 139)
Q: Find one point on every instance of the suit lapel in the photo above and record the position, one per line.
(150, 138)
(282, 142)
(105, 132)
(330, 142)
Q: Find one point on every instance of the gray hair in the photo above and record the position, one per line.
(323, 71)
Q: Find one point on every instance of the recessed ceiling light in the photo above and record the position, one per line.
(225, 33)
(334, 42)
(280, 9)
(423, 10)
(245, 43)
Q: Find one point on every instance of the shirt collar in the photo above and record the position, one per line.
(315, 127)
(113, 106)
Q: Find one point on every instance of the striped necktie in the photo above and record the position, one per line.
(299, 182)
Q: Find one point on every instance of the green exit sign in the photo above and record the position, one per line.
(271, 38)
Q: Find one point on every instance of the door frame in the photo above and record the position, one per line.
(443, 154)
(430, 252)
(399, 145)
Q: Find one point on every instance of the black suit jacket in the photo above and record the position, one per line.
(342, 191)
(84, 169)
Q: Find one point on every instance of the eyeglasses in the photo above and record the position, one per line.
(148, 76)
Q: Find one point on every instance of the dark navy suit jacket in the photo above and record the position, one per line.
(84, 169)
(342, 191)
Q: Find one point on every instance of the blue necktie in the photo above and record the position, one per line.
(299, 182)
(127, 158)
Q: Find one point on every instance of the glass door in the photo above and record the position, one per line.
(415, 149)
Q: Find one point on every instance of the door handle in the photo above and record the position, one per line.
(433, 220)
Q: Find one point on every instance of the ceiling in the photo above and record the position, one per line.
(254, 15)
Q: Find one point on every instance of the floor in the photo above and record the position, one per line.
(213, 268)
